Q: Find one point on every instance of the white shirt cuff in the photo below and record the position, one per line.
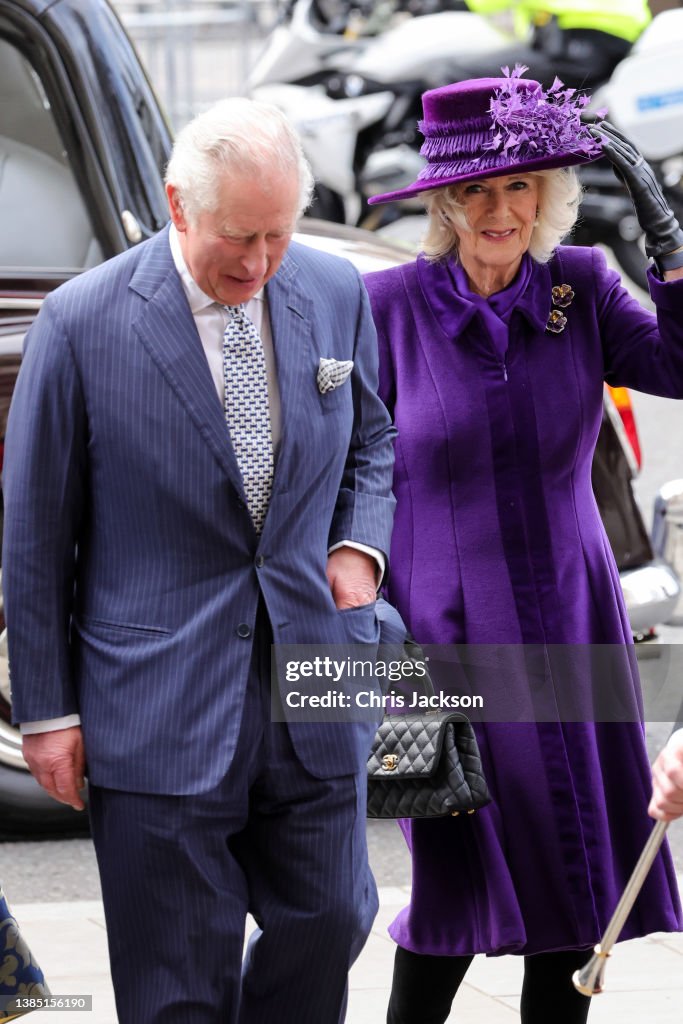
(49, 724)
(373, 552)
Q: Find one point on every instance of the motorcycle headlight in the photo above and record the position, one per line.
(354, 85)
(349, 86)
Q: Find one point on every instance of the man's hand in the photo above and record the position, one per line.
(57, 762)
(352, 576)
(667, 781)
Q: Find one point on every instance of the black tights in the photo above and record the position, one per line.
(424, 986)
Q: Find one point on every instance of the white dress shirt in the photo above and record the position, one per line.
(211, 320)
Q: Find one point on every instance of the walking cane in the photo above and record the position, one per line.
(589, 980)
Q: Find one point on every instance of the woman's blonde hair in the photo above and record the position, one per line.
(559, 195)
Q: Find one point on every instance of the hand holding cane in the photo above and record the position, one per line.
(589, 980)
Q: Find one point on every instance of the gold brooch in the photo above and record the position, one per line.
(562, 295)
(556, 321)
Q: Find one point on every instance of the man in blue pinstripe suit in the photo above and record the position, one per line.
(143, 589)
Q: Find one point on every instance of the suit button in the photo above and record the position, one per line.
(243, 630)
(260, 561)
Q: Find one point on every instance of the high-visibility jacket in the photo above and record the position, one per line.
(625, 19)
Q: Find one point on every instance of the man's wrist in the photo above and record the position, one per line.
(367, 550)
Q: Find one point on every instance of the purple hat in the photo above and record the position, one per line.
(485, 127)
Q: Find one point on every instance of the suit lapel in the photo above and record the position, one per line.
(291, 326)
(167, 330)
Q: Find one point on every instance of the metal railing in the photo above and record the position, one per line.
(199, 51)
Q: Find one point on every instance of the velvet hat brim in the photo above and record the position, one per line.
(489, 127)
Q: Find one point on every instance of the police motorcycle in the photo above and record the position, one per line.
(355, 96)
(359, 111)
(315, 38)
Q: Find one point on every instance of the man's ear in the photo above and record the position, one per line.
(175, 207)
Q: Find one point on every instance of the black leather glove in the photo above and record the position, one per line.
(663, 234)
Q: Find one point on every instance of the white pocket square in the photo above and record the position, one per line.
(332, 373)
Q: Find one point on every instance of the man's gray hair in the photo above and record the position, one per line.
(559, 196)
(241, 137)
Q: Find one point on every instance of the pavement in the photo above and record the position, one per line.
(644, 978)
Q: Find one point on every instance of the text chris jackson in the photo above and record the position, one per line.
(372, 699)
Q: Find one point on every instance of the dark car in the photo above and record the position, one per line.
(83, 145)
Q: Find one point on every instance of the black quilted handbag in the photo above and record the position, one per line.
(425, 766)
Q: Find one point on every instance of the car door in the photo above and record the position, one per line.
(76, 108)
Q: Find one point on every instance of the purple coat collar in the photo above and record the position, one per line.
(453, 311)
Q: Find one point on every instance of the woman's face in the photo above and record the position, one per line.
(500, 213)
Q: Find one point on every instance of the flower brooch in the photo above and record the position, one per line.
(562, 294)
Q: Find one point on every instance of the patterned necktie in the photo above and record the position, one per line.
(247, 412)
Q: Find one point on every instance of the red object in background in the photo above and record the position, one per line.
(622, 400)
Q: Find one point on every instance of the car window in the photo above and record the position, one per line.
(45, 223)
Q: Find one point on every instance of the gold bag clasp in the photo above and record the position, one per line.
(390, 762)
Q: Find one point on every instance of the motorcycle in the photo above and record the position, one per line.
(371, 94)
(356, 101)
(315, 38)
(308, 41)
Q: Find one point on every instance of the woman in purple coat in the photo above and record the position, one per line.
(494, 346)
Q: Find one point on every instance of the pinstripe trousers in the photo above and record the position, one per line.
(180, 873)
